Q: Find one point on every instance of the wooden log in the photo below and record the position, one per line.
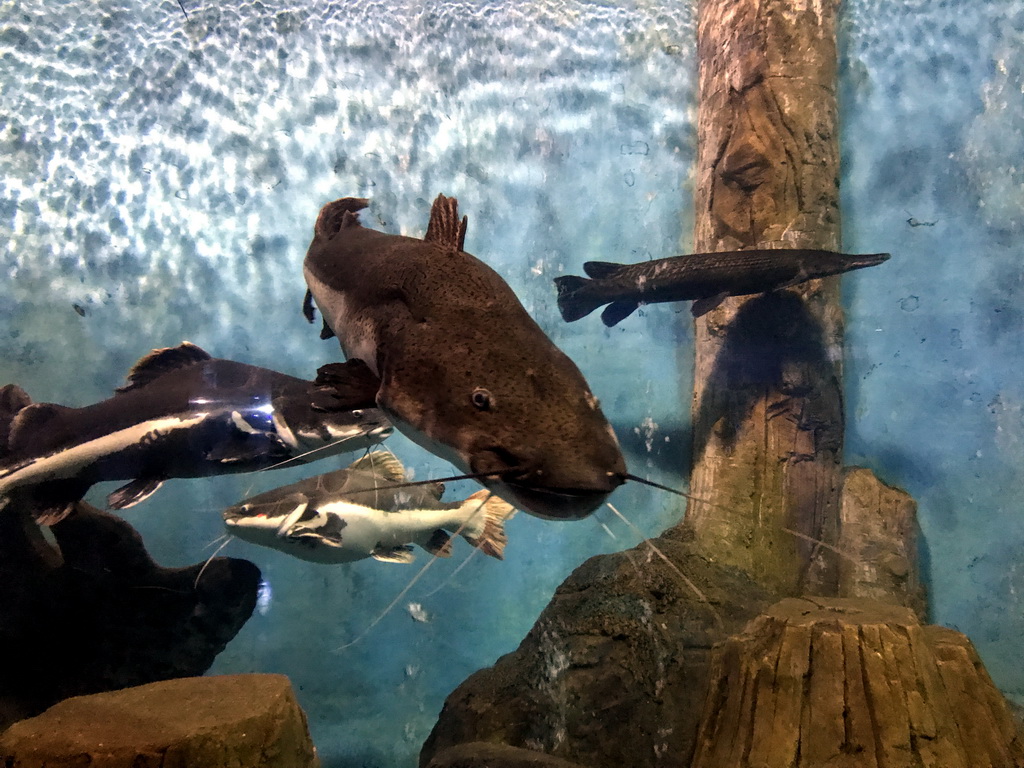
(767, 404)
(852, 683)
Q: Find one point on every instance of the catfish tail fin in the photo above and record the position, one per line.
(486, 528)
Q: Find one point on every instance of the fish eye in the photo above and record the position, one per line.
(481, 399)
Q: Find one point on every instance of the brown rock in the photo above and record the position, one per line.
(232, 720)
(878, 533)
(485, 755)
(615, 670)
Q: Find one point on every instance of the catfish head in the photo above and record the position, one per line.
(520, 412)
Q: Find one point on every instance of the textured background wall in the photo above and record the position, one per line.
(163, 174)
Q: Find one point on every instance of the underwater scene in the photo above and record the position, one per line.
(164, 172)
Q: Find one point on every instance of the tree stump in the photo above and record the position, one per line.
(214, 722)
(850, 683)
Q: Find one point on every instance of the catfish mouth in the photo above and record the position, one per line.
(557, 503)
(577, 493)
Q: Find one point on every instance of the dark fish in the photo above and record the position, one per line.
(182, 414)
(704, 278)
(465, 371)
(363, 511)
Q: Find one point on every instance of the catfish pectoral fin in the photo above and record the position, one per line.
(345, 386)
(308, 310)
(137, 490)
(439, 544)
(326, 332)
(52, 515)
(399, 554)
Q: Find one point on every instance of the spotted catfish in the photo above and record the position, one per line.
(464, 370)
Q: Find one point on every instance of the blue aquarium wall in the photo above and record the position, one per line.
(161, 167)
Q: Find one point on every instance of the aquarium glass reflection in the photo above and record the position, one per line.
(162, 165)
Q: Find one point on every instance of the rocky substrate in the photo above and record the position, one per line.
(616, 668)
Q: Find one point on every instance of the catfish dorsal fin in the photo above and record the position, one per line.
(160, 361)
(444, 227)
(335, 216)
(382, 463)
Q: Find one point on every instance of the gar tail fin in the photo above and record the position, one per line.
(573, 299)
(485, 528)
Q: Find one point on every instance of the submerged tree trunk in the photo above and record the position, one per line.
(767, 402)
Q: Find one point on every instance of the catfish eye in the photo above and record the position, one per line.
(481, 399)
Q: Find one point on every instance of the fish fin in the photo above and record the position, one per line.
(486, 528)
(51, 515)
(160, 361)
(137, 490)
(701, 307)
(345, 386)
(308, 308)
(800, 277)
(572, 301)
(444, 227)
(13, 399)
(257, 447)
(326, 332)
(618, 311)
(384, 464)
(32, 422)
(339, 215)
(303, 534)
(400, 554)
(439, 544)
(601, 269)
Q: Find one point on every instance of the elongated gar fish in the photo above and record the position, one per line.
(464, 370)
(704, 278)
(358, 512)
(181, 414)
